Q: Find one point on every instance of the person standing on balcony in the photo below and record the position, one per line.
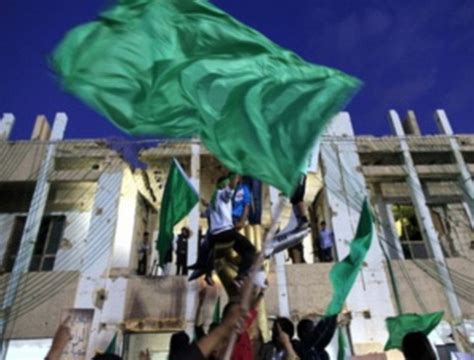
(241, 205)
(182, 251)
(143, 252)
(326, 242)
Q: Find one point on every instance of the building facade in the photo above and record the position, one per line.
(73, 214)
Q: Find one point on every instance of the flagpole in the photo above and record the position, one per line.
(258, 263)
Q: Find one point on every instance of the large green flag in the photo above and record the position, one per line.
(179, 197)
(401, 325)
(184, 67)
(344, 273)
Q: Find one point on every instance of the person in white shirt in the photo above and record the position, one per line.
(222, 230)
(326, 242)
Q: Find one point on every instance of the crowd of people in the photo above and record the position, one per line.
(310, 342)
(227, 213)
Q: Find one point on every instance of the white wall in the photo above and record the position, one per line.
(71, 253)
(75, 232)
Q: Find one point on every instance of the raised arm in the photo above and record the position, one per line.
(233, 321)
(324, 332)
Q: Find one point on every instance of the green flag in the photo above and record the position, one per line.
(179, 197)
(401, 325)
(112, 348)
(344, 273)
(216, 316)
(184, 67)
(341, 342)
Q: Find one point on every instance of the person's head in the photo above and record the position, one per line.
(106, 357)
(178, 341)
(185, 232)
(285, 325)
(304, 329)
(323, 224)
(222, 182)
(416, 346)
(146, 236)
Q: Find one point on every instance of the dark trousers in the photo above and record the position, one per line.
(241, 245)
(181, 266)
(142, 266)
(325, 255)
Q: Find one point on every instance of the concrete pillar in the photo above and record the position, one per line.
(410, 124)
(423, 215)
(33, 219)
(346, 189)
(41, 130)
(390, 241)
(6, 125)
(465, 178)
(282, 287)
(98, 256)
(193, 242)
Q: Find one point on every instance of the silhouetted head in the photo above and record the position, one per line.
(416, 346)
(185, 232)
(178, 342)
(304, 329)
(285, 325)
(106, 357)
(323, 224)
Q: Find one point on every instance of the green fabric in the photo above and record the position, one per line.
(179, 197)
(216, 316)
(341, 342)
(184, 67)
(401, 325)
(344, 273)
(112, 348)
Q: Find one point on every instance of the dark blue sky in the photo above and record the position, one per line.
(411, 55)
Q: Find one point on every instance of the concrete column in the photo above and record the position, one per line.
(34, 217)
(465, 178)
(193, 242)
(6, 125)
(424, 218)
(98, 256)
(410, 124)
(346, 189)
(41, 130)
(283, 301)
(391, 243)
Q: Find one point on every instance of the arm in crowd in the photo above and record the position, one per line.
(324, 332)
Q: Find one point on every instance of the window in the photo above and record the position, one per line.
(409, 233)
(46, 245)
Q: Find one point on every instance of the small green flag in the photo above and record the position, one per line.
(216, 316)
(401, 325)
(341, 342)
(344, 273)
(184, 67)
(179, 197)
(112, 348)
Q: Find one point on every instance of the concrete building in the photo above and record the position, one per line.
(73, 214)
